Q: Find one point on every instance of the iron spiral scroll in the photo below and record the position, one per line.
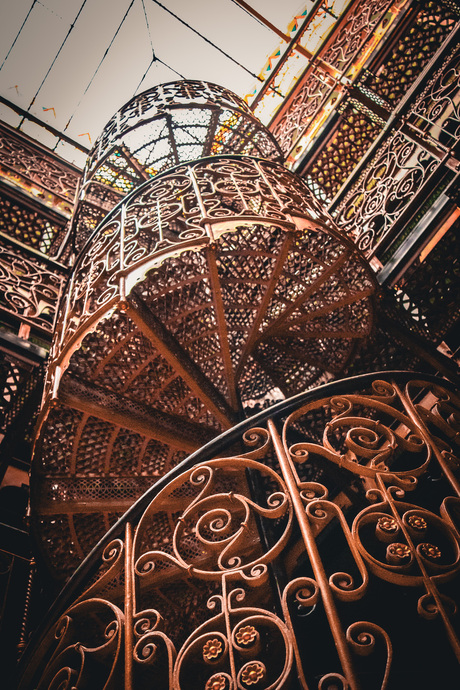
(324, 553)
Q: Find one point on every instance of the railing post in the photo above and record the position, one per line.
(340, 641)
(129, 604)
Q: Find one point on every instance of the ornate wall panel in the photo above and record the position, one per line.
(30, 288)
(390, 184)
(22, 160)
(432, 24)
(436, 111)
(208, 282)
(325, 553)
(317, 86)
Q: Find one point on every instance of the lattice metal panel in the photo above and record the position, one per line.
(433, 23)
(327, 171)
(433, 286)
(19, 380)
(30, 225)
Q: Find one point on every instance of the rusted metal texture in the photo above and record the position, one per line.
(314, 546)
(166, 125)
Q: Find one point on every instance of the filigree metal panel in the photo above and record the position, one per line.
(324, 554)
(351, 34)
(433, 23)
(316, 85)
(305, 103)
(164, 126)
(386, 189)
(37, 166)
(437, 111)
(30, 288)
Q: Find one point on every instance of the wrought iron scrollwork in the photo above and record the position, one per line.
(254, 570)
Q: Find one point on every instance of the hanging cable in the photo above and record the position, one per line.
(57, 54)
(99, 65)
(148, 29)
(19, 32)
(144, 75)
(255, 76)
(154, 57)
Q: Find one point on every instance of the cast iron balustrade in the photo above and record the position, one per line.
(162, 127)
(314, 545)
(213, 284)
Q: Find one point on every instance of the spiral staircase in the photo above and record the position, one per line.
(213, 281)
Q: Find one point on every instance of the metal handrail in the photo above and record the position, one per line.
(211, 450)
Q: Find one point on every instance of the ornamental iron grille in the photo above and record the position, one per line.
(323, 80)
(30, 289)
(315, 545)
(46, 176)
(214, 284)
(162, 127)
(429, 25)
(400, 173)
(411, 161)
(31, 224)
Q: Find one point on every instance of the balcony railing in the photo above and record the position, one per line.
(314, 545)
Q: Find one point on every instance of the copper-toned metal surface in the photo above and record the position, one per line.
(325, 552)
(30, 287)
(26, 163)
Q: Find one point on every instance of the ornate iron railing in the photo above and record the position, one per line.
(315, 545)
(28, 164)
(411, 162)
(214, 284)
(162, 127)
(187, 208)
(30, 288)
(323, 80)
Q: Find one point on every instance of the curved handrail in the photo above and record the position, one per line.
(207, 452)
